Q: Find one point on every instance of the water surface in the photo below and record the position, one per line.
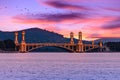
(60, 66)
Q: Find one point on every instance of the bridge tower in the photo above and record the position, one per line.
(23, 43)
(16, 39)
(80, 44)
(71, 38)
(101, 46)
(93, 44)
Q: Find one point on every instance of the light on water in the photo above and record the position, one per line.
(60, 66)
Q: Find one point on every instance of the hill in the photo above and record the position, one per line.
(104, 40)
(35, 35)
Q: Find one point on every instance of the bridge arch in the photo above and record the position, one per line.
(61, 47)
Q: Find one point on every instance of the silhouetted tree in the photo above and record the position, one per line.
(114, 46)
(2, 45)
(9, 45)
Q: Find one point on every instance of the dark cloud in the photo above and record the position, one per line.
(65, 5)
(51, 17)
(112, 24)
(60, 17)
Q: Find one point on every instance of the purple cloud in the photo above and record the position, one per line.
(66, 16)
(65, 5)
(51, 17)
(112, 24)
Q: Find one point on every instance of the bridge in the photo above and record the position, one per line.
(79, 47)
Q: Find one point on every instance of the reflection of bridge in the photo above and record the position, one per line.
(79, 47)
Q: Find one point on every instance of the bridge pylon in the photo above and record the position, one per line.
(71, 38)
(101, 45)
(93, 44)
(16, 39)
(80, 44)
(23, 45)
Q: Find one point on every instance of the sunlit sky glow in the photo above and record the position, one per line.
(95, 18)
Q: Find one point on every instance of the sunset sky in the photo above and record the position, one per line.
(95, 18)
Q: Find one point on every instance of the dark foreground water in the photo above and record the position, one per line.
(60, 66)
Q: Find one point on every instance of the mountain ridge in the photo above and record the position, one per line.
(42, 35)
(35, 35)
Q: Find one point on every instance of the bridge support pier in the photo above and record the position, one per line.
(80, 48)
(23, 48)
(80, 44)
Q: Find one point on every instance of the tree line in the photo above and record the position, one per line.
(7, 45)
(113, 46)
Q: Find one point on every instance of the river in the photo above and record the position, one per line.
(60, 66)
